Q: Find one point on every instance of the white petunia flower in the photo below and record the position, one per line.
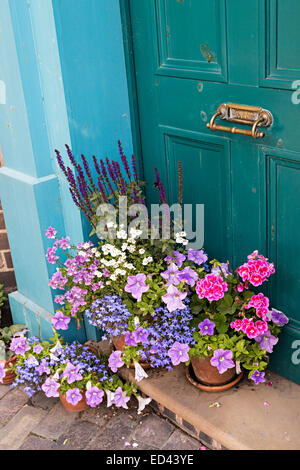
(140, 374)
(56, 375)
(110, 397)
(141, 251)
(143, 402)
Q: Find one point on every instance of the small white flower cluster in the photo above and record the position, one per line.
(115, 259)
(180, 238)
(147, 260)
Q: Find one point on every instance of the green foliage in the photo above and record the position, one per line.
(245, 351)
(2, 296)
(6, 335)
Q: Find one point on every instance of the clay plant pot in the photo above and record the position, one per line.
(9, 374)
(207, 374)
(81, 405)
(119, 344)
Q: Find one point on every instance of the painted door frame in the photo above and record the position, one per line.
(131, 84)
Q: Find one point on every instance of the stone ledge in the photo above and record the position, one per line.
(241, 422)
(249, 417)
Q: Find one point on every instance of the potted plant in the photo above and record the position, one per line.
(73, 372)
(8, 336)
(235, 328)
(128, 285)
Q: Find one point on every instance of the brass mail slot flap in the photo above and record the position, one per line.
(245, 114)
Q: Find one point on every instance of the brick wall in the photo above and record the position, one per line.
(7, 276)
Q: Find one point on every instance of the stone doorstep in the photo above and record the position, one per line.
(249, 417)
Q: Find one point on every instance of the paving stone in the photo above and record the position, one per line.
(39, 399)
(153, 431)
(181, 441)
(56, 422)
(77, 436)
(3, 390)
(11, 403)
(19, 427)
(115, 434)
(36, 443)
(138, 445)
(98, 416)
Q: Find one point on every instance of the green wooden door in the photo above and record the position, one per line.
(190, 56)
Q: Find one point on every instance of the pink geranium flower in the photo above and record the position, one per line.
(212, 287)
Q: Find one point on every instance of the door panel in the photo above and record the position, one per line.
(205, 159)
(280, 35)
(191, 56)
(191, 48)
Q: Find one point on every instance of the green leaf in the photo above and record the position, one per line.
(221, 323)
(2, 351)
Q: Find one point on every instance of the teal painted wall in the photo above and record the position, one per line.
(65, 78)
(93, 68)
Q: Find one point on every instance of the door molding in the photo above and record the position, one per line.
(131, 83)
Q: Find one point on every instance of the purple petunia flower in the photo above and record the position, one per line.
(179, 353)
(173, 298)
(222, 360)
(73, 396)
(51, 388)
(60, 321)
(172, 275)
(206, 327)
(130, 338)
(50, 232)
(136, 286)
(43, 368)
(258, 377)
(37, 349)
(115, 361)
(141, 335)
(266, 341)
(178, 258)
(19, 345)
(278, 317)
(189, 276)
(2, 371)
(197, 256)
(120, 398)
(72, 373)
(219, 270)
(94, 396)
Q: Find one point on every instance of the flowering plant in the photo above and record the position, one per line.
(7, 335)
(133, 284)
(234, 326)
(72, 370)
(123, 292)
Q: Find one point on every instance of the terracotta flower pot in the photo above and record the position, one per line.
(81, 405)
(9, 374)
(119, 344)
(208, 374)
